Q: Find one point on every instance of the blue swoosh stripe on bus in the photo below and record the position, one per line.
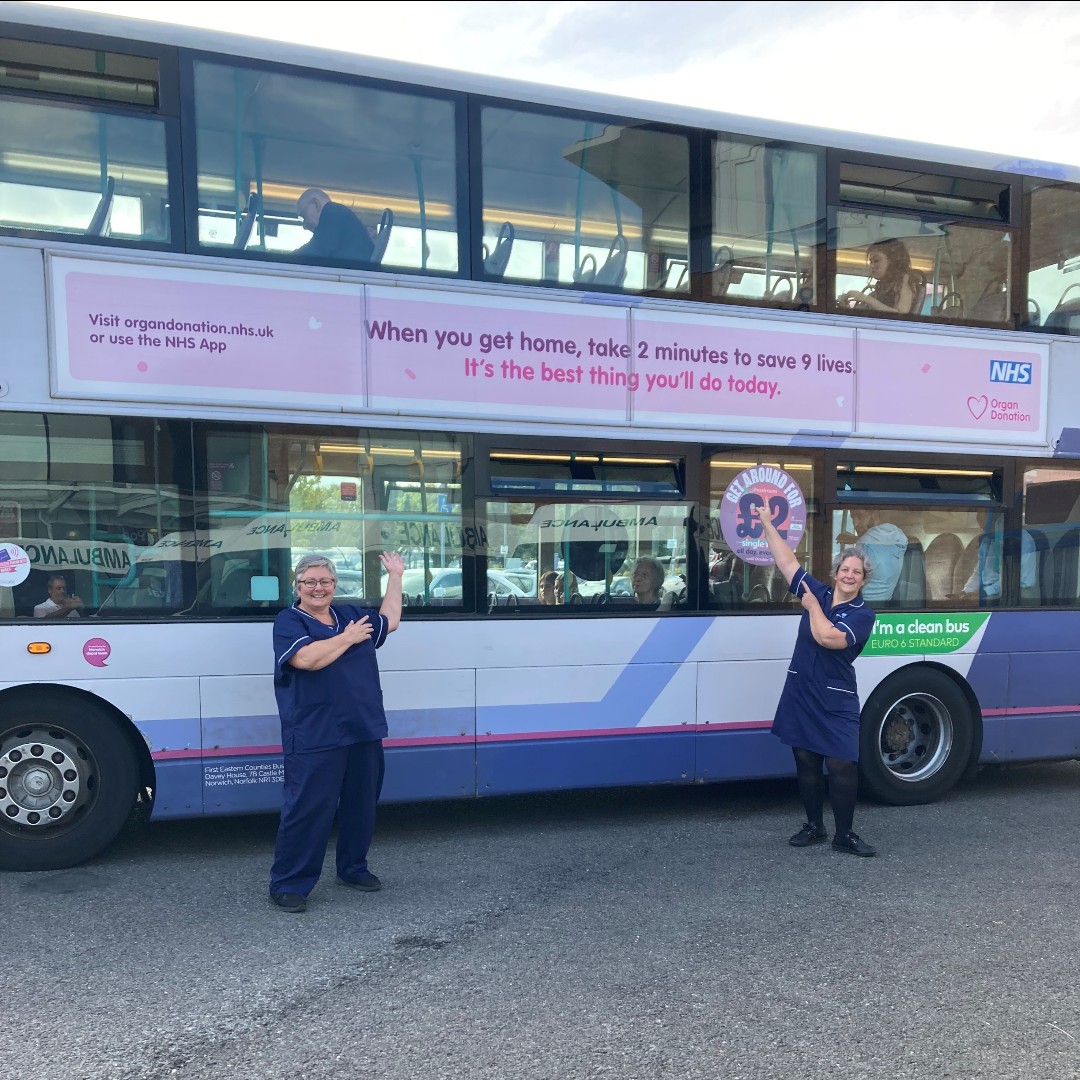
(643, 678)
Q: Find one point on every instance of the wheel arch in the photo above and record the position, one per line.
(960, 683)
(14, 697)
(920, 733)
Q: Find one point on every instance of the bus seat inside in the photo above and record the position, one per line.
(940, 559)
(495, 263)
(613, 272)
(911, 585)
(1066, 559)
(966, 565)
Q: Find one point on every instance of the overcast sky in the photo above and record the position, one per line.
(1003, 77)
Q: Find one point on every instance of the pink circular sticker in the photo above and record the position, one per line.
(96, 651)
(14, 565)
(762, 485)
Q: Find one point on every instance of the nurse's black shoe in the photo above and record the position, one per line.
(366, 882)
(809, 834)
(852, 845)
(291, 902)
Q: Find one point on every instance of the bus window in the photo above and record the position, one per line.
(95, 168)
(1050, 560)
(1053, 278)
(767, 222)
(913, 243)
(577, 557)
(90, 498)
(385, 160)
(277, 494)
(735, 582)
(585, 201)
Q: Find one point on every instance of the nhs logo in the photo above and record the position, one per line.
(1010, 371)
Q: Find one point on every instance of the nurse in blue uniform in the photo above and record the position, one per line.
(818, 714)
(326, 680)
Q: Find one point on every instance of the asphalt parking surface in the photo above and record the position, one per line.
(663, 932)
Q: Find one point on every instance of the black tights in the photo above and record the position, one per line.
(843, 785)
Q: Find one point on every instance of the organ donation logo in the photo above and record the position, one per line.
(761, 485)
(14, 565)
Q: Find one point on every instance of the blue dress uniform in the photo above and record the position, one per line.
(332, 727)
(819, 708)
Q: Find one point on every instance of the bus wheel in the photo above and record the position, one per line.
(916, 738)
(68, 782)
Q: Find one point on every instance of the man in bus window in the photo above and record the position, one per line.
(58, 604)
(337, 233)
(885, 543)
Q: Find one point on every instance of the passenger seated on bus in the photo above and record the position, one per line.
(545, 587)
(985, 581)
(896, 288)
(558, 588)
(885, 545)
(647, 581)
(566, 589)
(337, 232)
(58, 604)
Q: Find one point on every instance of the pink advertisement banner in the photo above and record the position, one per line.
(980, 390)
(743, 374)
(146, 333)
(479, 356)
(150, 333)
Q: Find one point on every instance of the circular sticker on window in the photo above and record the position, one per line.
(762, 485)
(14, 565)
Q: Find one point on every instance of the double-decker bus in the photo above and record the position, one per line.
(572, 337)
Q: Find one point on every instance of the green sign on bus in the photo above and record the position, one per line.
(902, 634)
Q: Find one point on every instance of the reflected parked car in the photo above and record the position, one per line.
(446, 584)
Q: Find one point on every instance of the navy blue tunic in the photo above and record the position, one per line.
(338, 705)
(819, 708)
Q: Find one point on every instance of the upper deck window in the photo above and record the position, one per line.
(767, 222)
(83, 153)
(582, 200)
(329, 171)
(1053, 271)
(912, 242)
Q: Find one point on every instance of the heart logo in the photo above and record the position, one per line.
(840, 401)
(977, 405)
(313, 323)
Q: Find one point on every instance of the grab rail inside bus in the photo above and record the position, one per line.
(247, 222)
(99, 223)
(382, 236)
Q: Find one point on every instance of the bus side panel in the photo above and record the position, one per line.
(591, 725)
(178, 790)
(416, 772)
(431, 716)
(1044, 705)
(1028, 686)
(509, 767)
(735, 707)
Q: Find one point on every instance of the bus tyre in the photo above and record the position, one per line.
(68, 783)
(916, 738)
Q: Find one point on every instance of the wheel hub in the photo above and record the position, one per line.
(40, 783)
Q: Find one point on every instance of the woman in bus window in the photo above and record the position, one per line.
(890, 266)
(647, 581)
(818, 714)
